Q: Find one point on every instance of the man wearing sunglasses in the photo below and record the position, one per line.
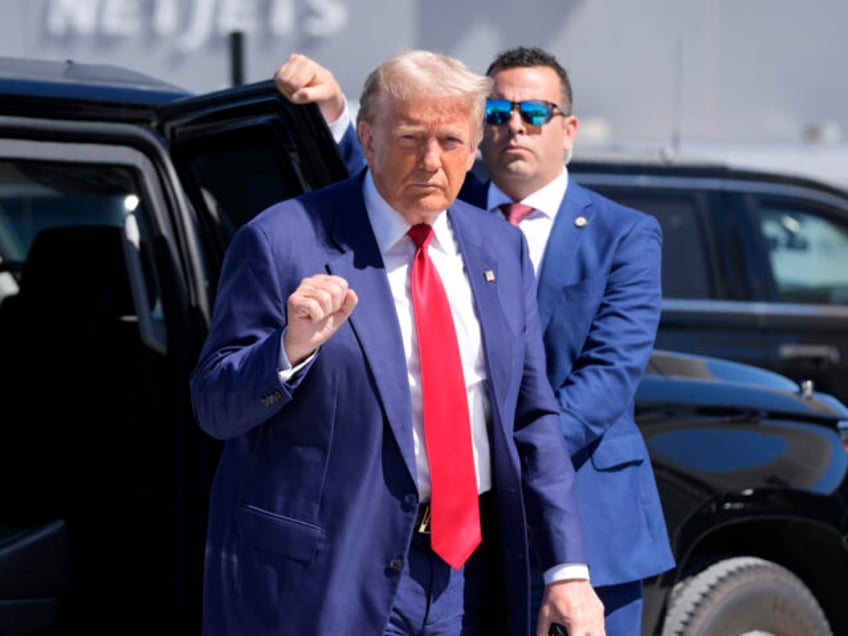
(599, 295)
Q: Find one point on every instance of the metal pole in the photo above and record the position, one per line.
(237, 58)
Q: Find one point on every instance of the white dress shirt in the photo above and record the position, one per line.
(398, 250)
(538, 224)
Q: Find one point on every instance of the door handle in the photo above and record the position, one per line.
(822, 353)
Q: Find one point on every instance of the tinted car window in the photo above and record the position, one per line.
(234, 174)
(239, 168)
(35, 195)
(808, 252)
(238, 174)
(38, 195)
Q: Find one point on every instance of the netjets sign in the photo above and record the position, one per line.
(190, 25)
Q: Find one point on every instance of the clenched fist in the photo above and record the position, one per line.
(302, 81)
(316, 309)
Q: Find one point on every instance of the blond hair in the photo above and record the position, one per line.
(413, 74)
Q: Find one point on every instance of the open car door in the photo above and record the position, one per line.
(113, 226)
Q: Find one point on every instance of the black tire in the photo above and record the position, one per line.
(744, 596)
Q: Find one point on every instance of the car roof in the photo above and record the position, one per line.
(659, 163)
(614, 162)
(60, 88)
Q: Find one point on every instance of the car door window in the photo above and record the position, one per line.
(238, 173)
(241, 158)
(808, 253)
(36, 196)
(238, 160)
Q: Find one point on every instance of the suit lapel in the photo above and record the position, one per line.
(374, 321)
(570, 226)
(482, 268)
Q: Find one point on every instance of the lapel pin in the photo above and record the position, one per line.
(581, 221)
(489, 275)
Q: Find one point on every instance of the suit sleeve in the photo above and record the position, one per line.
(554, 525)
(603, 380)
(235, 385)
(351, 151)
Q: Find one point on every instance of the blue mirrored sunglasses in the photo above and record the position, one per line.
(533, 111)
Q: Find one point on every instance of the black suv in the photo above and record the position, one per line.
(118, 197)
(755, 264)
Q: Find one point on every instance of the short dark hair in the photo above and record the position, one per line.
(527, 56)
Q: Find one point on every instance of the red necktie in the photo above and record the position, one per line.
(515, 212)
(455, 511)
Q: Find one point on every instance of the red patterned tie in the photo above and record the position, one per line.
(515, 212)
(455, 520)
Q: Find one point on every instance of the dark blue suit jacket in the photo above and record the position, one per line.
(314, 499)
(599, 293)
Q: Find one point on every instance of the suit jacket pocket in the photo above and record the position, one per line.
(289, 537)
(618, 452)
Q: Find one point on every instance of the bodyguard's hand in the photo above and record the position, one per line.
(574, 604)
(316, 309)
(302, 81)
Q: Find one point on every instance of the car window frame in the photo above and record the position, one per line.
(44, 143)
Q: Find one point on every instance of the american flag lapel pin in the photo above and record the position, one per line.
(489, 275)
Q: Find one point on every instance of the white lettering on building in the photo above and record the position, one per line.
(189, 25)
(329, 18)
(72, 16)
(121, 18)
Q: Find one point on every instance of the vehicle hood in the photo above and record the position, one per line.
(702, 381)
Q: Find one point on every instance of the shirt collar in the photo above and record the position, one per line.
(390, 227)
(546, 199)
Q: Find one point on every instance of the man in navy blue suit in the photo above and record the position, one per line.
(598, 269)
(319, 516)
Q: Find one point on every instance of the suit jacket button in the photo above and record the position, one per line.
(396, 564)
(410, 501)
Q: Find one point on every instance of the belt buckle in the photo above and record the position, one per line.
(424, 523)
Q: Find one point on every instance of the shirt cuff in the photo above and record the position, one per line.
(284, 367)
(339, 127)
(566, 572)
